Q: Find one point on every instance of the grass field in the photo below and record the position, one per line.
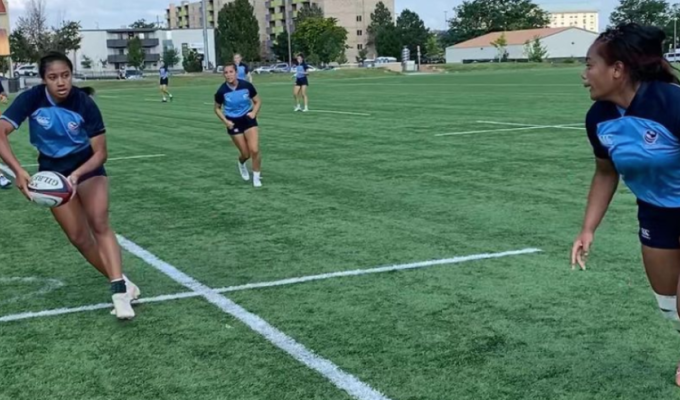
(386, 170)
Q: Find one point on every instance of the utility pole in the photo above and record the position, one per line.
(290, 47)
(206, 48)
(675, 34)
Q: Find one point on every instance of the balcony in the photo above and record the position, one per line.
(123, 58)
(123, 43)
(276, 3)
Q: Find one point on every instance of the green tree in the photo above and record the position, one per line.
(104, 62)
(308, 11)
(387, 42)
(475, 18)
(86, 62)
(535, 51)
(135, 53)
(501, 45)
(412, 31)
(432, 47)
(280, 46)
(67, 37)
(192, 62)
(321, 37)
(21, 48)
(142, 24)
(381, 17)
(363, 54)
(644, 12)
(170, 57)
(237, 32)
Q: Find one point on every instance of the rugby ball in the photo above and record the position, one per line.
(50, 189)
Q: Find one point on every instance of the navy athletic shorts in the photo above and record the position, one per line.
(301, 81)
(68, 164)
(241, 125)
(164, 81)
(659, 227)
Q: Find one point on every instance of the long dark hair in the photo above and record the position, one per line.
(640, 49)
(51, 57)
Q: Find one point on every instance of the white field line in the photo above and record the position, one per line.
(341, 379)
(524, 128)
(48, 286)
(118, 158)
(577, 126)
(341, 112)
(281, 282)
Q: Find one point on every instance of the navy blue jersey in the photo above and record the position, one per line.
(163, 73)
(242, 71)
(236, 102)
(300, 70)
(643, 141)
(57, 130)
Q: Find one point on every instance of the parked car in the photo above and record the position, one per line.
(281, 68)
(26, 70)
(264, 69)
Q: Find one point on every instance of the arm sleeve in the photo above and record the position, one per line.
(219, 96)
(252, 91)
(305, 66)
(591, 127)
(246, 69)
(94, 123)
(22, 108)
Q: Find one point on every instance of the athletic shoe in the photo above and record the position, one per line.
(4, 182)
(243, 169)
(298, 108)
(171, 98)
(256, 180)
(122, 306)
(165, 100)
(305, 110)
(133, 292)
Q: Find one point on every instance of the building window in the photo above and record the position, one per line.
(360, 33)
(359, 18)
(360, 46)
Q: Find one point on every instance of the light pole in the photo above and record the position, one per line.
(290, 48)
(206, 48)
(675, 34)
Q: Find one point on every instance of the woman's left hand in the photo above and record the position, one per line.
(252, 115)
(74, 178)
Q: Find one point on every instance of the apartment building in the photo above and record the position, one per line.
(588, 20)
(273, 15)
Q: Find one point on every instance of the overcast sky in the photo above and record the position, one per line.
(116, 13)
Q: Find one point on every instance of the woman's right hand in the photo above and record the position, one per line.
(21, 182)
(581, 248)
(230, 125)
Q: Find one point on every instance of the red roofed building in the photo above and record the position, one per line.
(567, 42)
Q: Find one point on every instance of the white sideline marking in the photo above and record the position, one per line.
(332, 372)
(50, 285)
(341, 112)
(281, 282)
(523, 128)
(117, 158)
(577, 126)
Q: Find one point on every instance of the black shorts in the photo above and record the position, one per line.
(659, 227)
(164, 81)
(241, 125)
(68, 164)
(301, 81)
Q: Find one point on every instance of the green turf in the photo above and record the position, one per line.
(345, 192)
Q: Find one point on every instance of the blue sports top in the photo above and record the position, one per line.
(643, 141)
(236, 102)
(57, 130)
(242, 71)
(300, 70)
(164, 73)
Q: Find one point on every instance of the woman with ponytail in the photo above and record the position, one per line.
(634, 129)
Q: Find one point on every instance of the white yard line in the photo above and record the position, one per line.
(525, 125)
(341, 379)
(117, 158)
(520, 127)
(280, 282)
(340, 112)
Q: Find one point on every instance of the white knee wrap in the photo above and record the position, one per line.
(669, 309)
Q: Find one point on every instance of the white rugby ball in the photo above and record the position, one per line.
(50, 189)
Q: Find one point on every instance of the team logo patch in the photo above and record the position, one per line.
(43, 121)
(651, 136)
(606, 140)
(73, 126)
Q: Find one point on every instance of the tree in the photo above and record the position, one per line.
(535, 51)
(321, 37)
(432, 47)
(192, 62)
(380, 18)
(170, 57)
(308, 11)
(237, 32)
(135, 53)
(21, 48)
(104, 62)
(142, 24)
(361, 57)
(643, 12)
(501, 45)
(67, 37)
(475, 18)
(86, 62)
(411, 31)
(280, 46)
(387, 42)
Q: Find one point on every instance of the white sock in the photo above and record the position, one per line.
(668, 308)
(256, 174)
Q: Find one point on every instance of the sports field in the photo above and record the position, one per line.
(471, 185)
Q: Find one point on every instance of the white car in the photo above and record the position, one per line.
(26, 70)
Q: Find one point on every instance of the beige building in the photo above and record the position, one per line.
(588, 20)
(353, 15)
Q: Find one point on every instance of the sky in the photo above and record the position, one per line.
(116, 13)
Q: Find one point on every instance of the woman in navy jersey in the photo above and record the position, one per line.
(301, 84)
(67, 129)
(634, 129)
